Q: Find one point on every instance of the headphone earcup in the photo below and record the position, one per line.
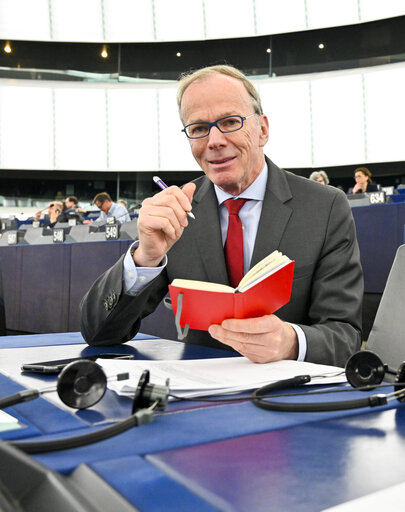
(81, 384)
(364, 368)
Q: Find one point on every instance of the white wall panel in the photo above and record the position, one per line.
(128, 21)
(316, 120)
(275, 17)
(133, 129)
(26, 138)
(323, 13)
(385, 114)
(377, 9)
(24, 19)
(77, 20)
(338, 120)
(229, 18)
(287, 106)
(80, 129)
(175, 153)
(179, 20)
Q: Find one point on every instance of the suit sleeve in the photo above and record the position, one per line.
(337, 292)
(108, 315)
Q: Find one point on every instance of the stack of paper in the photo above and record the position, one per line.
(203, 377)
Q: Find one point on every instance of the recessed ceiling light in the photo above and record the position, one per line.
(104, 52)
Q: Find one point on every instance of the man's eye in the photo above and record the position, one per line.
(197, 129)
(231, 122)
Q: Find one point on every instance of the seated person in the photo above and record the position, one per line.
(320, 177)
(227, 130)
(55, 208)
(72, 211)
(364, 183)
(108, 209)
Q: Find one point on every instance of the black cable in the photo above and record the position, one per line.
(139, 418)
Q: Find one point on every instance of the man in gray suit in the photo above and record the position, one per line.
(310, 223)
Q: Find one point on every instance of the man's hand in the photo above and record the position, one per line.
(261, 340)
(161, 223)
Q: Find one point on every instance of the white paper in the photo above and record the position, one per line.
(202, 377)
(8, 422)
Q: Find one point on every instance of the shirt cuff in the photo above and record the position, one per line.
(302, 342)
(137, 278)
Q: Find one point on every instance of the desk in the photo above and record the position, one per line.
(43, 284)
(380, 231)
(221, 456)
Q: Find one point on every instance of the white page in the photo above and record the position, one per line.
(201, 377)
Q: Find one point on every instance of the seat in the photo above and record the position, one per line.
(387, 338)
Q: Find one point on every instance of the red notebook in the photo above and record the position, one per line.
(263, 290)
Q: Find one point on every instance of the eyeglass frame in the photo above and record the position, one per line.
(215, 123)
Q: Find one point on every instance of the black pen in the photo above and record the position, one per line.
(163, 185)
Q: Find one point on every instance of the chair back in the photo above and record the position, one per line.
(387, 336)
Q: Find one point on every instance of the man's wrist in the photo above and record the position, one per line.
(140, 262)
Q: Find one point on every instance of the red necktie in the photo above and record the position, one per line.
(234, 241)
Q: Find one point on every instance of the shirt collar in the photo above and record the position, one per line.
(255, 191)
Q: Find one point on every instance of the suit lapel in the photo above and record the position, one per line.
(275, 214)
(207, 233)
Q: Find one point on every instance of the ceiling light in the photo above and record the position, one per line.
(178, 54)
(321, 46)
(268, 50)
(7, 48)
(104, 52)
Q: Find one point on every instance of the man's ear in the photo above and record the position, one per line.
(264, 130)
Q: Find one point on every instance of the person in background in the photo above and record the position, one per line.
(364, 183)
(72, 210)
(320, 177)
(55, 208)
(227, 130)
(108, 208)
(124, 203)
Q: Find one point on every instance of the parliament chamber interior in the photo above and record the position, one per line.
(88, 120)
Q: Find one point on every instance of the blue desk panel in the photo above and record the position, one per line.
(224, 456)
(302, 469)
(43, 284)
(380, 231)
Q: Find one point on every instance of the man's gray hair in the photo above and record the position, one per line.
(188, 78)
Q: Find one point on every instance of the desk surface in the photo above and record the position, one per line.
(218, 456)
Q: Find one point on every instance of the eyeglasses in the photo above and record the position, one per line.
(226, 124)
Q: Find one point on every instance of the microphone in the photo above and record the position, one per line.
(101, 224)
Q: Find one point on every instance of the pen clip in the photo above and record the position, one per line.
(181, 334)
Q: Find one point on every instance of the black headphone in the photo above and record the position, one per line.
(364, 371)
(82, 384)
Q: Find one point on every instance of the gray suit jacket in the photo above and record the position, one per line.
(309, 222)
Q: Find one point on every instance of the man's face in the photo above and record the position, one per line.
(69, 204)
(104, 206)
(230, 160)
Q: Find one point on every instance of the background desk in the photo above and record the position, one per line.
(43, 284)
(224, 456)
(380, 231)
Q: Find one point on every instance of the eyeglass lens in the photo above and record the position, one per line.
(225, 125)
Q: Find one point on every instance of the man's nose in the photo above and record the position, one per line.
(216, 137)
